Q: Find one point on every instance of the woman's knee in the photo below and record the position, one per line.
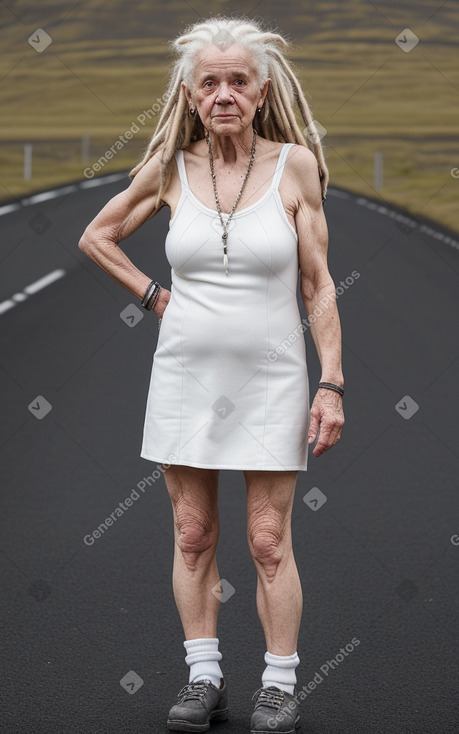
(195, 505)
(268, 535)
(270, 500)
(197, 529)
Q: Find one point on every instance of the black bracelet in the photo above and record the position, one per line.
(147, 293)
(151, 295)
(332, 386)
(150, 304)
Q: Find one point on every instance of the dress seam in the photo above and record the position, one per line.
(283, 214)
(268, 283)
(182, 380)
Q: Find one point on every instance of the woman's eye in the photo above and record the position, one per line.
(240, 82)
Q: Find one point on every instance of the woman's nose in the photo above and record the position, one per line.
(224, 94)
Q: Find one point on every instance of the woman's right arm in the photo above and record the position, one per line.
(118, 219)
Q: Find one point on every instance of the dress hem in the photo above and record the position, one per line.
(200, 465)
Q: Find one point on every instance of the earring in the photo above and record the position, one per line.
(192, 111)
(259, 109)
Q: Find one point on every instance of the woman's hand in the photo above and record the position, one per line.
(327, 420)
(161, 303)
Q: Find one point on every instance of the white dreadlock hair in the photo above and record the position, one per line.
(176, 129)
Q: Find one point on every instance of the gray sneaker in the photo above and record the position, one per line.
(197, 704)
(275, 711)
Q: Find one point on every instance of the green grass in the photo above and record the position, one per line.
(103, 68)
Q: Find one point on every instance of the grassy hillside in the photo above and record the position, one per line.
(107, 62)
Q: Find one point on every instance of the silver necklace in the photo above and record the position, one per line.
(217, 200)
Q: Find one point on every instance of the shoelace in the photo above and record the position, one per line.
(270, 697)
(193, 690)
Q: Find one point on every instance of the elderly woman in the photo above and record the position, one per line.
(229, 384)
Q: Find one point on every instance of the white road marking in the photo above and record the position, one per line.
(407, 220)
(9, 208)
(101, 181)
(339, 194)
(6, 305)
(55, 193)
(37, 199)
(31, 289)
(43, 282)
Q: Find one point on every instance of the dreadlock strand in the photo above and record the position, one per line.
(279, 103)
(312, 140)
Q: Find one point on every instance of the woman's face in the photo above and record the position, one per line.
(226, 90)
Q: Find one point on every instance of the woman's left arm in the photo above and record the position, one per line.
(319, 298)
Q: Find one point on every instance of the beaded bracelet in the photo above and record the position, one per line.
(332, 386)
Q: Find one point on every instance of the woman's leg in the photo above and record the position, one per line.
(194, 496)
(279, 593)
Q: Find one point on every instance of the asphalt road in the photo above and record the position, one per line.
(91, 639)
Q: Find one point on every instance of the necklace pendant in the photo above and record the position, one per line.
(217, 201)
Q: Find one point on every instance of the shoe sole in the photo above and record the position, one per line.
(182, 725)
(273, 731)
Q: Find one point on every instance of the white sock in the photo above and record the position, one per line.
(203, 656)
(280, 671)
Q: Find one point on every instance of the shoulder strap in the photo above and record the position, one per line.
(181, 167)
(280, 164)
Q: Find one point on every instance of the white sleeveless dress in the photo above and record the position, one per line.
(229, 385)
